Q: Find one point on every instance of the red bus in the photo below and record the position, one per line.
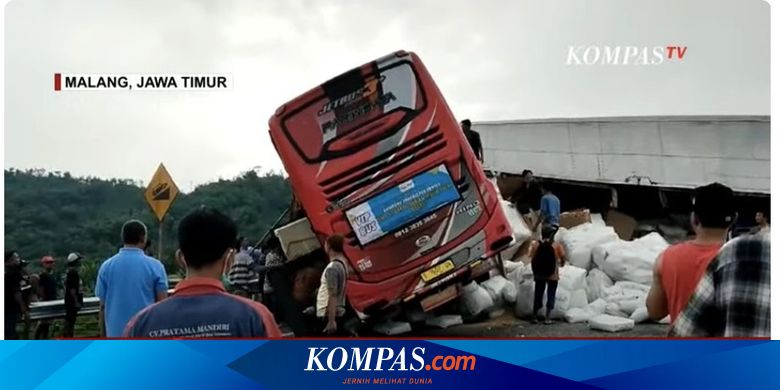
(377, 156)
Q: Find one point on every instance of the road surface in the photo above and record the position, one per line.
(507, 326)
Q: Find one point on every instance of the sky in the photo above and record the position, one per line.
(493, 60)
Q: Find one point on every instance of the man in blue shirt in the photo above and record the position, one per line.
(549, 210)
(200, 307)
(129, 281)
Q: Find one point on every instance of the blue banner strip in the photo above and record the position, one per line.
(436, 364)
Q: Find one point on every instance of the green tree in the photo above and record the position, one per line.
(54, 213)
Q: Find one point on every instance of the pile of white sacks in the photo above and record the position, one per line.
(605, 282)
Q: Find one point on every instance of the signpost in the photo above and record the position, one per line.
(160, 194)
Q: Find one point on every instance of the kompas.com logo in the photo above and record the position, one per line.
(384, 359)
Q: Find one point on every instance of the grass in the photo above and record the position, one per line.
(86, 326)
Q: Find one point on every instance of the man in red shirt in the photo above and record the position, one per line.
(680, 267)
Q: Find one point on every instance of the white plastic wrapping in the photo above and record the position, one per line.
(475, 299)
(580, 240)
(576, 314)
(572, 278)
(610, 323)
(597, 280)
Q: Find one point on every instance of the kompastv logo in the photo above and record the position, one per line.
(624, 55)
(384, 359)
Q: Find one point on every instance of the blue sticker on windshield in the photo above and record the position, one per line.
(402, 204)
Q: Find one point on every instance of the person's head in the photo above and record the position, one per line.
(272, 244)
(134, 233)
(334, 245)
(548, 232)
(713, 207)
(207, 239)
(12, 259)
(762, 217)
(47, 262)
(74, 260)
(148, 248)
(527, 175)
(465, 124)
(242, 243)
(542, 187)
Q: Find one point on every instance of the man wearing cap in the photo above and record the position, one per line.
(47, 291)
(73, 295)
(129, 281)
(680, 267)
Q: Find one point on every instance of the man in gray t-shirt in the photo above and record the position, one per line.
(331, 296)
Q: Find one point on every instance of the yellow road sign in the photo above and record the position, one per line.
(161, 192)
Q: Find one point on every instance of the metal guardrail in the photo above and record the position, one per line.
(48, 310)
(56, 309)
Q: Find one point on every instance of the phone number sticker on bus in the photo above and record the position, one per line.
(413, 227)
(405, 204)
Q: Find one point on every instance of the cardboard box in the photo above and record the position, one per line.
(623, 224)
(571, 219)
(508, 185)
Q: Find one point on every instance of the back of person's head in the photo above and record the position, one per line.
(9, 255)
(272, 243)
(713, 206)
(133, 232)
(205, 236)
(542, 186)
(466, 123)
(335, 243)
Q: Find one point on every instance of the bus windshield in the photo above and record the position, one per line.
(354, 110)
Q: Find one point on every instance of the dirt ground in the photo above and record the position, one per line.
(507, 326)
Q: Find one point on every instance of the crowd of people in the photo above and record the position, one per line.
(22, 288)
(714, 285)
(219, 296)
(709, 286)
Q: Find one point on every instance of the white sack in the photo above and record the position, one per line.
(509, 292)
(630, 260)
(613, 309)
(511, 266)
(579, 299)
(495, 287)
(572, 278)
(520, 230)
(597, 280)
(633, 286)
(475, 299)
(630, 305)
(580, 240)
(576, 314)
(524, 304)
(597, 307)
(444, 321)
(610, 323)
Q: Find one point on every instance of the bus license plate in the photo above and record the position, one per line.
(437, 271)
